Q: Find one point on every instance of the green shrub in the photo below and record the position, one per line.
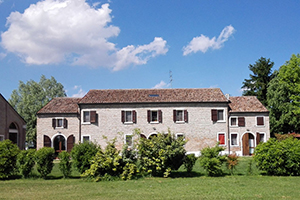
(26, 162)
(276, 157)
(82, 154)
(189, 162)
(160, 154)
(65, 164)
(211, 160)
(107, 163)
(8, 158)
(232, 162)
(44, 161)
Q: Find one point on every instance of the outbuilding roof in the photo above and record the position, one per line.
(61, 105)
(246, 104)
(153, 96)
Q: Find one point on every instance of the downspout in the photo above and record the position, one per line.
(79, 139)
(228, 129)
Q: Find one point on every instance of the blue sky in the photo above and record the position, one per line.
(135, 44)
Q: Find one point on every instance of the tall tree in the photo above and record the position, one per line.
(284, 98)
(257, 84)
(30, 97)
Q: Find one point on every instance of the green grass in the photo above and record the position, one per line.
(198, 186)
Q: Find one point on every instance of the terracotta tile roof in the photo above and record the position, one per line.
(246, 104)
(153, 96)
(61, 105)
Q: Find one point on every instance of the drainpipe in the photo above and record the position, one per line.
(228, 129)
(79, 139)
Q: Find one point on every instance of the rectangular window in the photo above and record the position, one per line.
(85, 138)
(86, 116)
(128, 116)
(180, 115)
(89, 117)
(233, 121)
(1, 138)
(262, 137)
(59, 123)
(154, 116)
(129, 140)
(234, 139)
(217, 115)
(260, 121)
(221, 138)
(180, 136)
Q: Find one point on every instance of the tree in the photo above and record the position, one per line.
(30, 97)
(257, 84)
(284, 98)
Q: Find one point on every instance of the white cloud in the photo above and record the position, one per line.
(2, 55)
(80, 92)
(55, 31)
(1, 1)
(203, 43)
(161, 85)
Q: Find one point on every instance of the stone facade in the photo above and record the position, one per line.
(206, 118)
(12, 125)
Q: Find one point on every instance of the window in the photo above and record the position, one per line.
(217, 115)
(234, 139)
(1, 138)
(233, 121)
(129, 140)
(154, 116)
(89, 116)
(85, 138)
(221, 139)
(128, 116)
(59, 123)
(260, 121)
(180, 116)
(180, 135)
(260, 137)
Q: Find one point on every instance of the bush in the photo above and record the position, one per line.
(26, 162)
(8, 158)
(211, 160)
(161, 154)
(105, 164)
(44, 161)
(65, 164)
(82, 154)
(189, 162)
(276, 157)
(232, 162)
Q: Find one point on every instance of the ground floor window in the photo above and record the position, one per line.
(129, 140)
(1, 138)
(234, 139)
(221, 139)
(85, 138)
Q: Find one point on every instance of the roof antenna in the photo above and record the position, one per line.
(171, 78)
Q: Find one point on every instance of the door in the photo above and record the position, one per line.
(59, 144)
(248, 144)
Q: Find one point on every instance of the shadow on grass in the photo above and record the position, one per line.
(181, 174)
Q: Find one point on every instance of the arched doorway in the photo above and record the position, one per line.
(59, 144)
(13, 133)
(248, 141)
(152, 135)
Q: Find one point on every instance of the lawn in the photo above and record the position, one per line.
(197, 186)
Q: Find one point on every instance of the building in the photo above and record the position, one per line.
(12, 125)
(202, 116)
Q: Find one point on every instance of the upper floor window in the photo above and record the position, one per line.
(128, 116)
(59, 123)
(237, 121)
(180, 116)
(154, 116)
(89, 116)
(217, 115)
(260, 121)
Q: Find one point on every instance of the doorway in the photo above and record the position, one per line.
(248, 144)
(59, 144)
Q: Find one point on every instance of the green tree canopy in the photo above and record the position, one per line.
(30, 97)
(257, 84)
(284, 98)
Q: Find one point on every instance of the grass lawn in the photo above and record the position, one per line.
(197, 186)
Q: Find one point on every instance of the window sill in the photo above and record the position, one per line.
(154, 122)
(260, 126)
(128, 123)
(85, 122)
(180, 122)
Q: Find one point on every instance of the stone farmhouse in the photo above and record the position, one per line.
(12, 125)
(202, 116)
